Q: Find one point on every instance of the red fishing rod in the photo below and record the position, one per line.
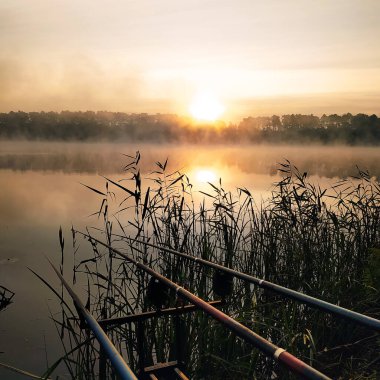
(279, 354)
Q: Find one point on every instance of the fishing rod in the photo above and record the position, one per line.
(109, 322)
(269, 349)
(113, 354)
(351, 315)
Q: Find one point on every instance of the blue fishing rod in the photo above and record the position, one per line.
(110, 350)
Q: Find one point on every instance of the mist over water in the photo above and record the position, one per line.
(41, 190)
(108, 158)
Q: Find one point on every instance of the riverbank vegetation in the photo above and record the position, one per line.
(323, 242)
(348, 129)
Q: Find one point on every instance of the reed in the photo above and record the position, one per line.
(322, 242)
(6, 297)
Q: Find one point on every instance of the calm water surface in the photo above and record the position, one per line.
(40, 191)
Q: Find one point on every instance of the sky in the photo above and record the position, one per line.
(257, 57)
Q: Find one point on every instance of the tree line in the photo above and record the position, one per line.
(118, 126)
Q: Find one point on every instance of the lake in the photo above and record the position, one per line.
(41, 190)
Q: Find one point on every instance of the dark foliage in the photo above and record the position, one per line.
(322, 242)
(6, 296)
(222, 284)
(112, 126)
(157, 293)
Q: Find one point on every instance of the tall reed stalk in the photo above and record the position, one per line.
(323, 242)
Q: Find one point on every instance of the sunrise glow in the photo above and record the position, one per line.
(205, 175)
(206, 107)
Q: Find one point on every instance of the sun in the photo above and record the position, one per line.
(205, 175)
(206, 107)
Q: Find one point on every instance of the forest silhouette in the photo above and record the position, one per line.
(360, 129)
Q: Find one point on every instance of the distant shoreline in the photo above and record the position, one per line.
(346, 129)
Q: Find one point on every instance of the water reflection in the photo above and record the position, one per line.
(41, 190)
(323, 161)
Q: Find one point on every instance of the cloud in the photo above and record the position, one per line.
(317, 104)
(75, 83)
